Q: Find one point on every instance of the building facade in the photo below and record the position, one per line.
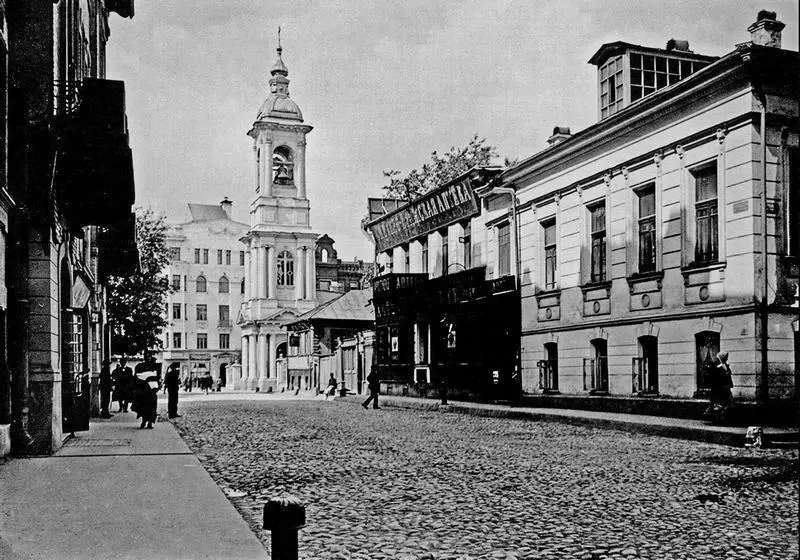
(65, 206)
(446, 298)
(330, 339)
(334, 274)
(667, 231)
(280, 261)
(206, 272)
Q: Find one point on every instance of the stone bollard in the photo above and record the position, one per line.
(284, 516)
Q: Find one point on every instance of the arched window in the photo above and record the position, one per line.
(224, 285)
(201, 283)
(285, 269)
(282, 166)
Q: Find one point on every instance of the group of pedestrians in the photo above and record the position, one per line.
(138, 389)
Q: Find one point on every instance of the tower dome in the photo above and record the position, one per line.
(278, 104)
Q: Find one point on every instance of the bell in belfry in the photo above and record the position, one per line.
(283, 174)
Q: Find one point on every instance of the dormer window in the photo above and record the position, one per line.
(282, 166)
(628, 73)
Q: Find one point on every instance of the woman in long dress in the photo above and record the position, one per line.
(145, 392)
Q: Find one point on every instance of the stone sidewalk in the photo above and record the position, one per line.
(696, 430)
(119, 492)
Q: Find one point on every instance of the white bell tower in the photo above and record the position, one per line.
(280, 264)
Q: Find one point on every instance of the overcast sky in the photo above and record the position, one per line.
(382, 83)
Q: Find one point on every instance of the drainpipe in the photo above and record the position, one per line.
(517, 269)
(764, 385)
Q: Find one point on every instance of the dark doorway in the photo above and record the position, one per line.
(223, 375)
(707, 343)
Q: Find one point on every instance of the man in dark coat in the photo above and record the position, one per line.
(172, 382)
(374, 385)
(123, 384)
(105, 389)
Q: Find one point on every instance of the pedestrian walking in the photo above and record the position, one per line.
(374, 386)
(721, 383)
(206, 381)
(331, 390)
(145, 391)
(105, 386)
(123, 384)
(172, 382)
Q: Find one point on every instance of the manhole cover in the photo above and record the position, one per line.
(99, 442)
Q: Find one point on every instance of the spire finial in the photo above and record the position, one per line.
(279, 40)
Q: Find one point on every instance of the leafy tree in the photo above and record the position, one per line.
(439, 170)
(136, 303)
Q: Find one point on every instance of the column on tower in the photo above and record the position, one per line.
(253, 271)
(300, 169)
(256, 265)
(248, 279)
(269, 365)
(272, 269)
(245, 358)
(251, 366)
(311, 289)
(299, 274)
(262, 356)
(257, 164)
(266, 167)
(262, 272)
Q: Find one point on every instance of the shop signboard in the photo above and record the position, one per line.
(430, 212)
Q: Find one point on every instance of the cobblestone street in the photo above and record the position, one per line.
(395, 483)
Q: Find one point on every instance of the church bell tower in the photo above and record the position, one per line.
(280, 274)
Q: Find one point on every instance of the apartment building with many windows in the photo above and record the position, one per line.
(206, 271)
(668, 230)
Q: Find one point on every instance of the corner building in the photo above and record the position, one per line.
(280, 263)
(669, 230)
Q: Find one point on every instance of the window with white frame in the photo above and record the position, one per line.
(224, 285)
(550, 254)
(650, 73)
(201, 283)
(176, 340)
(503, 249)
(466, 240)
(706, 214)
(224, 341)
(646, 228)
(445, 251)
(424, 243)
(202, 341)
(597, 229)
(285, 276)
(176, 310)
(202, 312)
(611, 87)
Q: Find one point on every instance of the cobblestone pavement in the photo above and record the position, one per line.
(395, 483)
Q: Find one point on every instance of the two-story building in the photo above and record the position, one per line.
(206, 272)
(446, 298)
(667, 231)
